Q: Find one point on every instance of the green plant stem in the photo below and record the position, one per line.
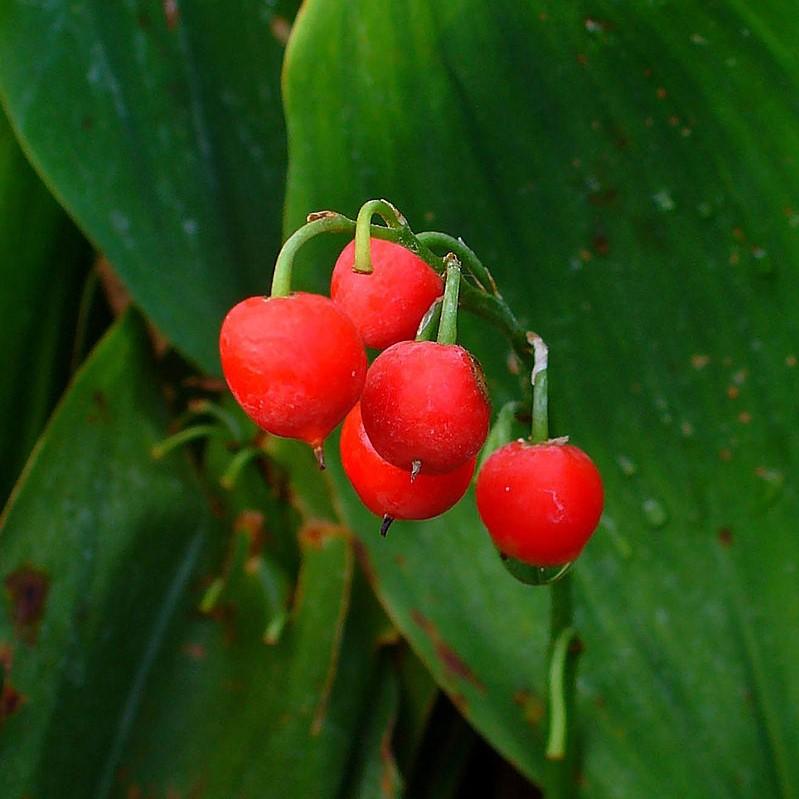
(495, 311)
(237, 463)
(204, 407)
(391, 216)
(327, 222)
(561, 751)
(538, 377)
(448, 327)
(481, 300)
(166, 446)
(469, 259)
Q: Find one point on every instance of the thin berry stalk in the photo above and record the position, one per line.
(390, 215)
(562, 671)
(448, 327)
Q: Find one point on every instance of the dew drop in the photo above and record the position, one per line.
(627, 465)
(774, 481)
(663, 200)
(654, 512)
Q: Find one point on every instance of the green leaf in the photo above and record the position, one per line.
(98, 544)
(629, 175)
(376, 775)
(158, 126)
(228, 713)
(42, 259)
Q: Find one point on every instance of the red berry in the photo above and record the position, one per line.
(425, 403)
(296, 364)
(389, 491)
(388, 304)
(540, 502)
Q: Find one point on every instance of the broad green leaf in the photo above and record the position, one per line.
(226, 713)
(97, 545)
(42, 257)
(158, 126)
(629, 174)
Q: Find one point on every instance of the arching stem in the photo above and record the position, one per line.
(391, 216)
(318, 223)
(448, 326)
(166, 446)
(237, 463)
(472, 264)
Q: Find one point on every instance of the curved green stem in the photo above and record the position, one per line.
(494, 310)
(325, 222)
(434, 238)
(391, 216)
(558, 713)
(204, 407)
(538, 377)
(183, 437)
(561, 773)
(448, 327)
(237, 463)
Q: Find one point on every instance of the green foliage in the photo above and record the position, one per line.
(158, 126)
(41, 267)
(629, 175)
(607, 165)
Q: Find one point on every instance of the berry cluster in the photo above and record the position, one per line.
(418, 416)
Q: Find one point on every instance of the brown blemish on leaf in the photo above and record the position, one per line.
(460, 702)
(11, 700)
(388, 782)
(604, 198)
(171, 13)
(401, 561)
(194, 650)
(6, 657)
(251, 523)
(27, 589)
(725, 537)
(699, 361)
(600, 244)
(451, 661)
(315, 534)
(101, 411)
(533, 708)
(213, 385)
(281, 29)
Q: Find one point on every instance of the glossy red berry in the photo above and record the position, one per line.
(425, 403)
(296, 364)
(389, 491)
(387, 304)
(540, 502)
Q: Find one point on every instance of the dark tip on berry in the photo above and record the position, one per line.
(416, 467)
(385, 524)
(319, 454)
